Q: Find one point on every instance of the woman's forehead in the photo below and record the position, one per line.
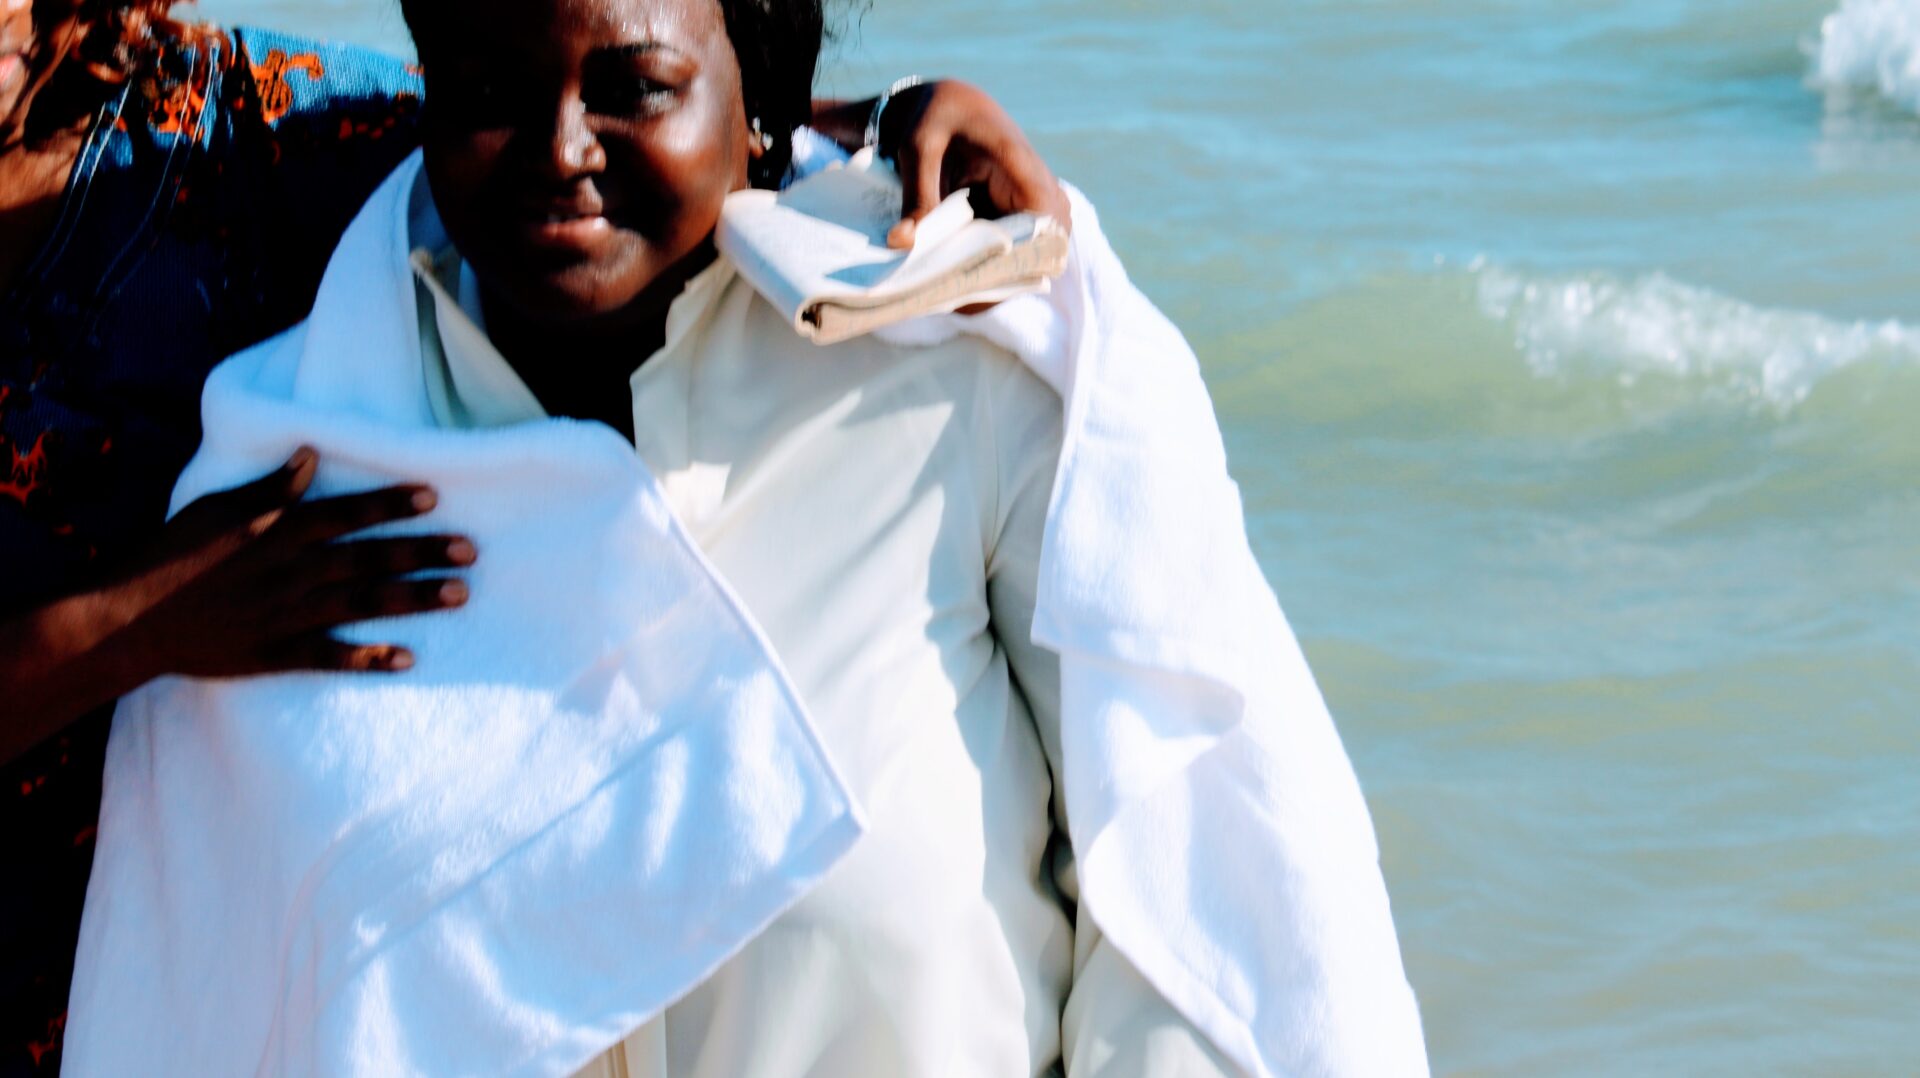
(681, 24)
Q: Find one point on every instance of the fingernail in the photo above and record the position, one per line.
(453, 593)
(461, 552)
(398, 659)
(300, 458)
(424, 500)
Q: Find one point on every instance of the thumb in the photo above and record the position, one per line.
(271, 492)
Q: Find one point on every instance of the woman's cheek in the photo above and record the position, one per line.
(460, 171)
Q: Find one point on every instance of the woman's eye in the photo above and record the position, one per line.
(629, 97)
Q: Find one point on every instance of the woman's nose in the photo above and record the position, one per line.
(573, 148)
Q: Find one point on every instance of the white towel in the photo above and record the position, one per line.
(502, 862)
(1222, 841)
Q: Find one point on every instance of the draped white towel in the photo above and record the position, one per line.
(1223, 844)
(499, 863)
(452, 872)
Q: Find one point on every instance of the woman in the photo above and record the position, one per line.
(601, 855)
(169, 194)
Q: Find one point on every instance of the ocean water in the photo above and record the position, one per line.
(1569, 357)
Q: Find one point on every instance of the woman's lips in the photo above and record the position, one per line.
(582, 231)
(582, 234)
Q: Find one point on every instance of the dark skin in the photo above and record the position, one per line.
(34, 163)
(586, 204)
(257, 580)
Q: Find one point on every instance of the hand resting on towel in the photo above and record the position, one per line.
(251, 580)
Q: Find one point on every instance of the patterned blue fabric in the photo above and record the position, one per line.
(198, 221)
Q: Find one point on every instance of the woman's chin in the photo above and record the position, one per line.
(557, 286)
(560, 292)
(561, 303)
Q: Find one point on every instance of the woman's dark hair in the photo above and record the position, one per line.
(778, 44)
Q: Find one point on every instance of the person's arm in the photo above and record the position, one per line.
(942, 136)
(1115, 1025)
(845, 122)
(246, 581)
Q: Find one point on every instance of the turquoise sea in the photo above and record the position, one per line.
(1569, 355)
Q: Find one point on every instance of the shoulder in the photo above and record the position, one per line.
(962, 372)
(205, 77)
(1017, 406)
(1008, 423)
(1012, 423)
(296, 78)
(270, 107)
(329, 120)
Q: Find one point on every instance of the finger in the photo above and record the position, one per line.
(920, 166)
(320, 652)
(326, 519)
(368, 560)
(265, 497)
(334, 605)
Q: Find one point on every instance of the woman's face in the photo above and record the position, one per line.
(579, 150)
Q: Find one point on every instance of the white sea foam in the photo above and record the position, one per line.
(1655, 326)
(1872, 45)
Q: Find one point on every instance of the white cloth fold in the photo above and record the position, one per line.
(1222, 841)
(499, 863)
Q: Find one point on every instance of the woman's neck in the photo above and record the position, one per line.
(583, 368)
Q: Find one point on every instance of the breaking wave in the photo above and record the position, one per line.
(1872, 45)
(1655, 326)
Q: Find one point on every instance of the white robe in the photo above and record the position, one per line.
(879, 509)
(451, 872)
